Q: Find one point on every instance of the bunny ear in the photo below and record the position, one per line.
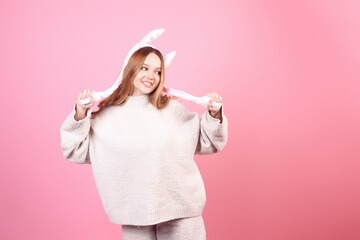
(144, 42)
(154, 34)
(168, 58)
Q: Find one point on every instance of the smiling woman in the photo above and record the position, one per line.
(145, 65)
(149, 76)
(204, 101)
(141, 146)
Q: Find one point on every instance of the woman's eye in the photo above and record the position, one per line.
(144, 68)
(158, 73)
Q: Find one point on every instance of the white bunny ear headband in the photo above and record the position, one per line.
(167, 58)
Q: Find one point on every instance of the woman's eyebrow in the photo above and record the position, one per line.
(149, 65)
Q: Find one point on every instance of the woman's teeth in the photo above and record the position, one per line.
(146, 84)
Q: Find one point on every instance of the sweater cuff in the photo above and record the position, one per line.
(214, 123)
(77, 124)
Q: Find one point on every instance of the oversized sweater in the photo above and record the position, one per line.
(142, 158)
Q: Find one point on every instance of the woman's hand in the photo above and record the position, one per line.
(214, 112)
(165, 88)
(83, 95)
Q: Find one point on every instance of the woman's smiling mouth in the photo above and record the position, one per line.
(147, 84)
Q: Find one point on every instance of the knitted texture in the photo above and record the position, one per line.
(143, 158)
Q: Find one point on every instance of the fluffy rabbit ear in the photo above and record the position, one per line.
(144, 42)
(168, 58)
(154, 34)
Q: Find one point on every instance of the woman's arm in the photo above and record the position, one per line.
(213, 133)
(75, 138)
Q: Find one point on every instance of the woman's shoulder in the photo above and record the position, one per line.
(177, 105)
(178, 108)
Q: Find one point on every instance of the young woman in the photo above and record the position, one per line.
(141, 145)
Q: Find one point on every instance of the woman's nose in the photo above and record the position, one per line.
(150, 75)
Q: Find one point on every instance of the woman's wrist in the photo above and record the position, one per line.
(80, 113)
(216, 115)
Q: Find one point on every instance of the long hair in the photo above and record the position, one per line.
(126, 87)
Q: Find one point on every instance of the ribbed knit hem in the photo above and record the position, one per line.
(155, 217)
(77, 124)
(216, 119)
(215, 122)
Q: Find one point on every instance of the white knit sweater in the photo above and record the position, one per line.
(143, 158)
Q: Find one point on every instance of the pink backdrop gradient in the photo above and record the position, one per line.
(288, 72)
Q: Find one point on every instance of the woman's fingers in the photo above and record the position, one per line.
(91, 95)
(214, 97)
(87, 93)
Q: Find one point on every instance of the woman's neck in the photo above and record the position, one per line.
(138, 100)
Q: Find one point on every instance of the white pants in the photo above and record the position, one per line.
(177, 229)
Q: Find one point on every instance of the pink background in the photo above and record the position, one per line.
(288, 72)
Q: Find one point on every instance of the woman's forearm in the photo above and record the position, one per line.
(217, 115)
(80, 114)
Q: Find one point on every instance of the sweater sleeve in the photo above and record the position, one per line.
(75, 138)
(213, 134)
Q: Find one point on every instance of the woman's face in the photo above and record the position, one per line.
(148, 78)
